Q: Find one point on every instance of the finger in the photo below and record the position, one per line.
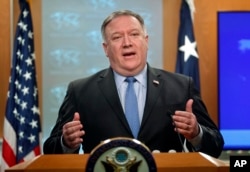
(73, 125)
(182, 126)
(75, 143)
(76, 117)
(75, 135)
(181, 117)
(189, 105)
(73, 139)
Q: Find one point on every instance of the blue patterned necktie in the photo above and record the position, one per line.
(131, 107)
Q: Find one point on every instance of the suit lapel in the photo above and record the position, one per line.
(108, 88)
(154, 85)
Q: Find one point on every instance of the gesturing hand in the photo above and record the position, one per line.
(185, 121)
(72, 132)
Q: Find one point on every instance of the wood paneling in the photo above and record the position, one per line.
(4, 56)
(205, 26)
(171, 22)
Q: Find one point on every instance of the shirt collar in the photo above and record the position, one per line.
(141, 77)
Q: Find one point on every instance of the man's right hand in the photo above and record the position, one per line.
(72, 132)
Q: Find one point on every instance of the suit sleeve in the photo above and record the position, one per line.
(212, 141)
(52, 145)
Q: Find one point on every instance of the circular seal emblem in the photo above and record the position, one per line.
(121, 154)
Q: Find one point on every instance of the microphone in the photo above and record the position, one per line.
(172, 151)
(156, 151)
(178, 134)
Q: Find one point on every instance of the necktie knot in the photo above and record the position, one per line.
(130, 79)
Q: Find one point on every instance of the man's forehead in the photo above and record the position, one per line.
(124, 22)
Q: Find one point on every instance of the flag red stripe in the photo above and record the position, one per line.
(8, 154)
(37, 150)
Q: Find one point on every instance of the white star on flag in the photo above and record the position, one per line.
(189, 48)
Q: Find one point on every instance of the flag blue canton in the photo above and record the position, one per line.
(22, 111)
(187, 56)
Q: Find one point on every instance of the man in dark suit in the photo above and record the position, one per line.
(171, 113)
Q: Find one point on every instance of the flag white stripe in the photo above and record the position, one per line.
(29, 156)
(3, 165)
(10, 135)
(191, 7)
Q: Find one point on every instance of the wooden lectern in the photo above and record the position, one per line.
(174, 162)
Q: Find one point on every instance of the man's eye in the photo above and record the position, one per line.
(135, 34)
(116, 37)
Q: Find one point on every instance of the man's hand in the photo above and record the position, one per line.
(185, 122)
(72, 132)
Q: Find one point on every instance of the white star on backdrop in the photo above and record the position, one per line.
(189, 49)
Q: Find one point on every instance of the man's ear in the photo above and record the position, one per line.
(146, 38)
(104, 46)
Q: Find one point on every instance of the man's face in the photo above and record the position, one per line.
(126, 45)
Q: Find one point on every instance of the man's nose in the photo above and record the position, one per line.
(126, 41)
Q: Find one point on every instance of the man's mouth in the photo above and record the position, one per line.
(128, 54)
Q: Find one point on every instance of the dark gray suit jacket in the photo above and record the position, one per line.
(96, 99)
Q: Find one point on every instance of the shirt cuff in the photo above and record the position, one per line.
(196, 141)
(66, 149)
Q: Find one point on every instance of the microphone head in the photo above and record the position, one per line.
(156, 151)
(172, 151)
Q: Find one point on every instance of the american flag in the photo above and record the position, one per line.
(187, 56)
(21, 141)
